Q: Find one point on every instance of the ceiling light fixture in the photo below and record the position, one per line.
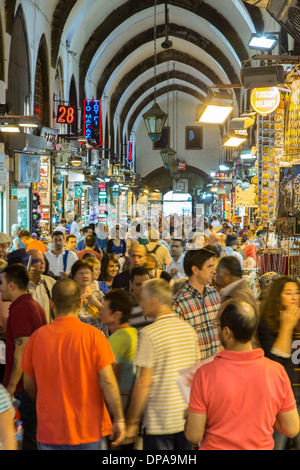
(233, 141)
(9, 129)
(263, 42)
(215, 110)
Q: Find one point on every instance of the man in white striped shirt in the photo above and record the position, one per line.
(165, 347)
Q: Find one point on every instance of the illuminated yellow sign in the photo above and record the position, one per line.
(265, 100)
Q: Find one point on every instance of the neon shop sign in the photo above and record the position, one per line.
(92, 119)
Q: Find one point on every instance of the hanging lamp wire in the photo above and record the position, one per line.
(155, 56)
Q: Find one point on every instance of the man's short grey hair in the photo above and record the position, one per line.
(161, 289)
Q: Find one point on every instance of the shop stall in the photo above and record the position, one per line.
(278, 181)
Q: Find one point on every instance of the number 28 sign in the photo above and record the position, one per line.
(66, 114)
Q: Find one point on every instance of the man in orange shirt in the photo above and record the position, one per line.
(30, 243)
(70, 395)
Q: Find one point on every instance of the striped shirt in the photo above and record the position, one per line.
(201, 312)
(168, 345)
(5, 400)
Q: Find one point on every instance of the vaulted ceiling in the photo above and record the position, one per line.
(114, 46)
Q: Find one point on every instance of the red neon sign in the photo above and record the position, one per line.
(65, 115)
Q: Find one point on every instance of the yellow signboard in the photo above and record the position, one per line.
(265, 100)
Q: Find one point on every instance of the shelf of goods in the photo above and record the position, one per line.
(292, 134)
(270, 148)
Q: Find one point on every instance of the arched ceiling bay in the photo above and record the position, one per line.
(113, 42)
(114, 45)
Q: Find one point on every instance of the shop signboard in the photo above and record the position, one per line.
(50, 136)
(66, 115)
(78, 192)
(245, 198)
(181, 165)
(102, 215)
(265, 100)
(92, 119)
(3, 170)
(28, 168)
(130, 152)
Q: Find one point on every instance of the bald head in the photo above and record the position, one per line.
(36, 254)
(38, 267)
(240, 318)
(137, 256)
(66, 297)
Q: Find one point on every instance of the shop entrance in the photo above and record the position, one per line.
(177, 203)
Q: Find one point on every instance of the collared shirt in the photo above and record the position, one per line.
(56, 264)
(41, 293)
(240, 387)
(201, 312)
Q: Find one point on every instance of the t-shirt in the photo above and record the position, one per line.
(70, 405)
(241, 393)
(56, 263)
(124, 343)
(37, 245)
(82, 252)
(25, 316)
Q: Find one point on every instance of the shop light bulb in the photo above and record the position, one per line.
(234, 141)
(263, 42)
(214, 114)
(9, 129)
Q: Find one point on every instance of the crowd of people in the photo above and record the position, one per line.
(115, 341)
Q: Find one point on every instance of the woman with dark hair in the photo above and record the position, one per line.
(116, 245)
(109, 269)
(278, 328)
(92, 299)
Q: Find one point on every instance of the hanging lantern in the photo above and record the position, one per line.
(168, 156)
(155, 120)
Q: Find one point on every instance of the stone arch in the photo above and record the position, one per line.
(132, 7)
(2, 70)
(73, 101)
(41, 85)
(160, 177)
(150, 98)
(175, 30)
(18, 87)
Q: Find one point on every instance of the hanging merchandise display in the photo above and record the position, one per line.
(43, 187)
(278, 182)
(292, 135)
(57, 206)
(36, 213)
(270, 149)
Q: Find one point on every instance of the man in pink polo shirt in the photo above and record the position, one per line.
(236, 399)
